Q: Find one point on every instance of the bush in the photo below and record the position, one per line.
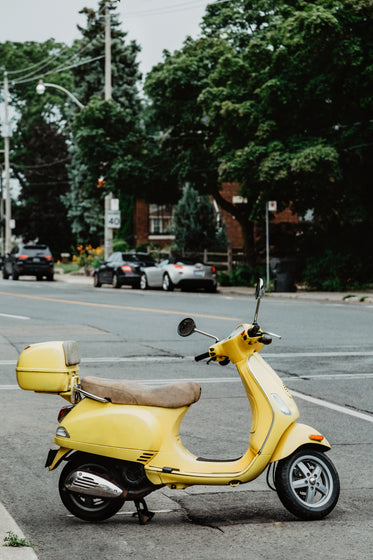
(334, 271)
(88, 257)
(120, 245)
(240, 276)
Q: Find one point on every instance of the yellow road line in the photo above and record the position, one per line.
(127, 307)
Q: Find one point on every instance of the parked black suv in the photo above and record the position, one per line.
(29, 260)
(122, 269)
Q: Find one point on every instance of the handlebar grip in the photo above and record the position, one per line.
(265, 339)
(202, 356)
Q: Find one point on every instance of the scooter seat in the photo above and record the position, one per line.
(128, 392)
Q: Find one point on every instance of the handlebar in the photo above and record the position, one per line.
(202, 356)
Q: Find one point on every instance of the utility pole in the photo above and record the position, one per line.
(108, 197)
(271, 205)
(6, 134)
(107, 55)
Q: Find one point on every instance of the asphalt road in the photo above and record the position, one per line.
(325, 357)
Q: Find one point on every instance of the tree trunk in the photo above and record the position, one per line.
(247, 226)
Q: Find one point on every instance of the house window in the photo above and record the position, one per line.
(160, 218)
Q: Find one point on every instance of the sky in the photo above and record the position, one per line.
(155, 24)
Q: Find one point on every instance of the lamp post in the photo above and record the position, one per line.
(40, 89)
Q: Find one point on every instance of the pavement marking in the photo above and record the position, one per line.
(333, 406)
(14, 316)
(126, 307)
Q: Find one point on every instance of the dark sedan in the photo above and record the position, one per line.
(33, 259)
(122, 269)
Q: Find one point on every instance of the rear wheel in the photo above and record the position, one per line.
(212, 288)
(167, 283)
(115, 281)
(96, 281)
(15, 275)
(307, 484)
(89, 508)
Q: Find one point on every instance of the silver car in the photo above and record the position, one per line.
(179, 273)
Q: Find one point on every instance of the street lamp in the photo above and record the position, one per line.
(40, 89)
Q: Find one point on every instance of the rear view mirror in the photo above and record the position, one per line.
(259, 291)
(186, 327)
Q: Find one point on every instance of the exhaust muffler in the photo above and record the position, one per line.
(84, 482)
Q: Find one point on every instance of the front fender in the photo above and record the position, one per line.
(295, 436)
(55, 456)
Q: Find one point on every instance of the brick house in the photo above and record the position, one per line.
(152, 221)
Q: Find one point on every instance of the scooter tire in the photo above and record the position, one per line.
(307, 484)
(89, 508)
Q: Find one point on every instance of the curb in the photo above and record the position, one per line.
(347, 298)
(7, 523)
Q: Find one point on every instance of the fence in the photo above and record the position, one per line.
(223, 261)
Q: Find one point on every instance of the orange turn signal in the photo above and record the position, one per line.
(316, 437)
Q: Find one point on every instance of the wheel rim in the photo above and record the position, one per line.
(85, 502)
(143, 282)
(311, 481)
(166, 282)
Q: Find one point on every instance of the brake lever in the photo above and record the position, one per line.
(272, 334)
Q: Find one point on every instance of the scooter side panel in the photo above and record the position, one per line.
(112, 425)
(296, 436)
(114, 430)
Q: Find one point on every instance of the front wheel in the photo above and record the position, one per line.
(307, 484)
(89, 508)
(167, 283)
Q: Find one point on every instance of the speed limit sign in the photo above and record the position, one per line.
(113, 219)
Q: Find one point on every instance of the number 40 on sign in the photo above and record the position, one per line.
(113, 219)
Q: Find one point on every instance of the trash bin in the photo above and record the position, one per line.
(284, 270)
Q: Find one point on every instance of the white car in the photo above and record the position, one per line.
(179, 273)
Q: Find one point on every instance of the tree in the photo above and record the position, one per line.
(276, 96)
(194, 224)
(38, 146)
(107, 134)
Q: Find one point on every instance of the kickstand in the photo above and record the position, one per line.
(143, 514)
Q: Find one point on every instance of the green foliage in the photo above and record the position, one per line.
(333, 271)
(241, 276)
(280, 102)
(12, 539)
(194, 223)
(38, 150)
(120, 245)
(107, 134)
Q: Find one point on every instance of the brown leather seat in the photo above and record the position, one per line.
(129, 392)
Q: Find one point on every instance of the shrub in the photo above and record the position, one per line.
(240, 276)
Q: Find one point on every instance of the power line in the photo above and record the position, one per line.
(181, 7)
(36, 72)
(56, 71)
(46, 60)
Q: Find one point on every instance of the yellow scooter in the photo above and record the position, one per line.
(120, 440)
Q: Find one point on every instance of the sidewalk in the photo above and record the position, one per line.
(360, 297)
(7, 523)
